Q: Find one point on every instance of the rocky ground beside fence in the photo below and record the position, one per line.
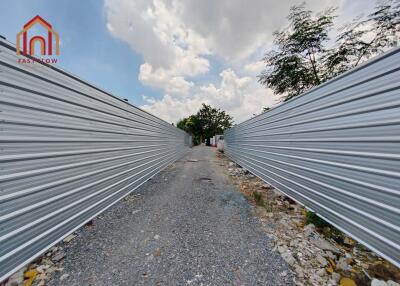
(39, 271)
(319, 253)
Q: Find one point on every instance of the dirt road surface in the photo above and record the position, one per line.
(187, 226)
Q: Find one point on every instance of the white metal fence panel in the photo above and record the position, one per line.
(68, 151)
(336, 150)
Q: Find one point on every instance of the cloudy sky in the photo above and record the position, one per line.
(169, 56)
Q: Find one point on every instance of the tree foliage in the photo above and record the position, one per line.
(364, 38)
(207, 122)
(294, 66)
(302, 59)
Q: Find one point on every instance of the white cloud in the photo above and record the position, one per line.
(170, 49)
(161, 78)
(172, 109)
(177, 38)
(240, 96)
(110, 28)
(237, 29)
(149, 99)
(254, 67)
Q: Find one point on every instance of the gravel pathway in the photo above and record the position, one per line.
(186, 226)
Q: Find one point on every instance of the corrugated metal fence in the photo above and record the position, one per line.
(336, 149)
(68, 151)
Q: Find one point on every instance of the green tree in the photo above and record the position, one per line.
(181, 124)
(213, 121)
(294, 66)
(192, 126)
(207, 122)
(364, 38)
(301, 59)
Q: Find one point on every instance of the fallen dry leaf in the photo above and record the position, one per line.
(30, 275)
(329, 269)
(333, 264)
(347, 282)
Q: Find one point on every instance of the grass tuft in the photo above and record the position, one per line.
(259, 199)
(312, 217)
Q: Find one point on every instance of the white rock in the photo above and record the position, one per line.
(42, 268)
(156, 236)
(349, 241)
(282, 249)
(14, 282)
(69, 238)
(41, 276)
(342, 264)
(392, 283)
(287, 256)
(59, 256)
(17, 278)
(330, 255)
(332, 282)
(299, 272)
(321, 272)
(283, 273)
(64, 276)
(309, 229)
(376, 282)
(322, 260)
(336, 277)
(324, 245)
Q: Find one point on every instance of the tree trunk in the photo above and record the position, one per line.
(314, 69)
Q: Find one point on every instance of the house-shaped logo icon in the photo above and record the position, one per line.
(44, 49)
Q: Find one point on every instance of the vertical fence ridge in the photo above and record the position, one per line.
(68, 151)
(336, 150)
